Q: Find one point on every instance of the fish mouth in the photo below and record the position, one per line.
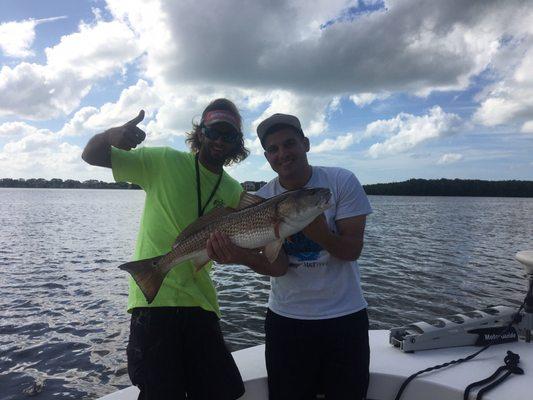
(323, 196)
(325, 200)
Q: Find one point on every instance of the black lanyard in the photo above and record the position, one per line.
(199, 191)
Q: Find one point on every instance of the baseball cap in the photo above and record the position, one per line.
(278, 119)
(215, 116)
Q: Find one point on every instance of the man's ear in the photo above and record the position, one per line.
(307, 144)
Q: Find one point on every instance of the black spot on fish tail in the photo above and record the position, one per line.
(147, 275)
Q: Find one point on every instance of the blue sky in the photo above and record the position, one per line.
(391, 90)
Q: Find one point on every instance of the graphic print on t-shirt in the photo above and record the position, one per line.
(302, 248)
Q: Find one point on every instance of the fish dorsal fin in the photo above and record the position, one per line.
(248, 200)
(203, 221)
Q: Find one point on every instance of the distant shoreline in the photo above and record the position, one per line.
(40, 183)
(453, 187)
(411, 187)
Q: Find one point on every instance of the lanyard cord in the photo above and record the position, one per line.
(199, 190)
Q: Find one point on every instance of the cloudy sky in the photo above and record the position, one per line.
(391, 90)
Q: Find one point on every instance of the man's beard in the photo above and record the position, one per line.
(216, 158)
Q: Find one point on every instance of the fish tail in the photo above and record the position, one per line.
(147, 274)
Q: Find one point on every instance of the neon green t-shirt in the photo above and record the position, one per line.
(168, 177)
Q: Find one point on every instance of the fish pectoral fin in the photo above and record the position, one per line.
(276, 224)
(276, 229)
(272, 250)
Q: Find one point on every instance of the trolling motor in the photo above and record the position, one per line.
(480, 327)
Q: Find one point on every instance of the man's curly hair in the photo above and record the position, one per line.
(240, 152)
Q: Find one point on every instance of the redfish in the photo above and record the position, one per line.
(256, 223)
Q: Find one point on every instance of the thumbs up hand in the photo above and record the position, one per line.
(127, 136)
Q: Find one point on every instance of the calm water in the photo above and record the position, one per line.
(63, 325)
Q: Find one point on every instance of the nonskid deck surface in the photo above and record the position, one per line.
(390, 366)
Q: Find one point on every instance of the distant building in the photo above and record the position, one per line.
(250, 186)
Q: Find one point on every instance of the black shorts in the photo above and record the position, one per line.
(179, 353)
(309, 357)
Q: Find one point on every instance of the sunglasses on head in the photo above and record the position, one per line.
(213, 134)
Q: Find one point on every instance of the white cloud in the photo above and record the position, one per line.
(77, 124)
(339, 143)
(95, 51)
(32, 142)
(16, 37)
(527, 127)
(16, 128)
(35, 91)
(406, 131)
(335, 104)
(40, 153)
(90, 120)
(28, 91)
(131, 101)
(363, 99)
(311, 111)
(510, 98)
(254, 145)
(46, 159)
(450, 158)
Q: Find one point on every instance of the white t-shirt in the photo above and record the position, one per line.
(318, 285)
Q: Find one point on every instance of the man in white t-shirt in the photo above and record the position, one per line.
(316, 325)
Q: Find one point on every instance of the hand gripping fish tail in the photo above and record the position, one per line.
(147, 274)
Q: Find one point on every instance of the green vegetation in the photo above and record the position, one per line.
(453, 187)
(412, 187)
(61, 184)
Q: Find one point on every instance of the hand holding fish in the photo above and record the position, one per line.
(221, 249)
(317, 230)
(127, 136)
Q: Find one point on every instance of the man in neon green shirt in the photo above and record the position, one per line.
(175, 348)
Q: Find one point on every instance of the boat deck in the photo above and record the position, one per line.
(389, 367)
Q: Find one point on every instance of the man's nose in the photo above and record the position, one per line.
(282, 152)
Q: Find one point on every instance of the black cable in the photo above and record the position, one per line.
(511, 361)
(481, 382)
(460, 360)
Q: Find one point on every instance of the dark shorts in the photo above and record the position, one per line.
(309, 357)
(179, 353)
